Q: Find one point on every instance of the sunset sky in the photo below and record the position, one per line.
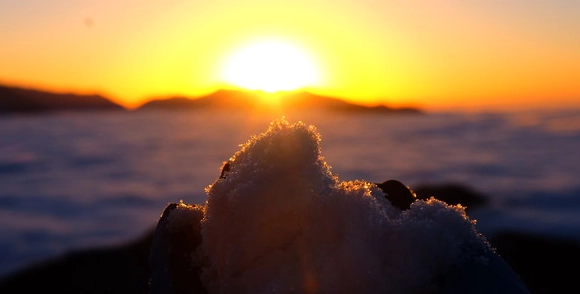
(462, 54)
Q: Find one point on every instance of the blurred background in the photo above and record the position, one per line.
(478, 94)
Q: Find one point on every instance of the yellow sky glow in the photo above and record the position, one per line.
(448, 55)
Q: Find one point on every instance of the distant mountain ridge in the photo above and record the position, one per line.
(241, 100)
(23, 100)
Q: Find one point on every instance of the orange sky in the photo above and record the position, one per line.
(462, 54)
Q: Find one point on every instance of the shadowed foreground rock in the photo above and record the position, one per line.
(541, 262)
(172, 251)
(122, 269)
(545, 265)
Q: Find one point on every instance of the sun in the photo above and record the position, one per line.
(270, 65)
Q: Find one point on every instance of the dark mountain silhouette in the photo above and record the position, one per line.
(242, 100)
(25, 100)
(21, 100)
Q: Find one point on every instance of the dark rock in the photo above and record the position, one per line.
(402, 196)
(452, 194)
(173, 262)
(398, 194)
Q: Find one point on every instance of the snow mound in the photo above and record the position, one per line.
(278, 220)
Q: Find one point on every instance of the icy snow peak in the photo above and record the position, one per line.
(278, 220)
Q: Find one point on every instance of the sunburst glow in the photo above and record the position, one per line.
(270, 65)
